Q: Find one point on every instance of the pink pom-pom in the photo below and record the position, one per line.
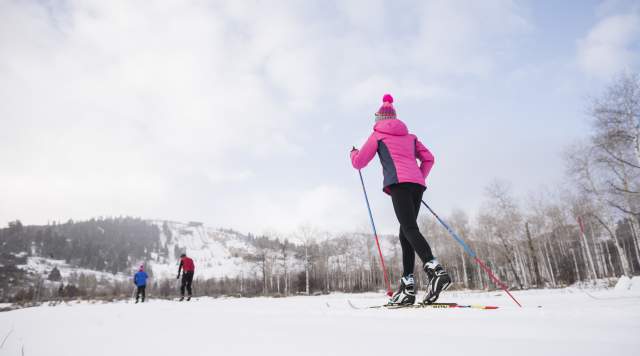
(387, 98)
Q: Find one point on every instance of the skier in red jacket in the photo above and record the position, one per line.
(187, 267)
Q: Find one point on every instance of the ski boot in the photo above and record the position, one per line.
(406, 294)
(437, 281)
(188, 298)
(181, 298)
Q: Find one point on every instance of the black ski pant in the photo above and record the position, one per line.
(187, 279)
(139, 292)
(406, 198)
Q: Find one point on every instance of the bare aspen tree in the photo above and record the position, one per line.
(538, 280)
(615, 152)
(259, 261)
(550, 270)
(502, 219)
(587, 248)
(593, 180)
(284, 252)
(460, 223)
(307, 234)
(538, 227)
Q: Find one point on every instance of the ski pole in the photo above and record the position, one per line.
(470, 252)
(375, 234)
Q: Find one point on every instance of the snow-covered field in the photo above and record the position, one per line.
(570, 322)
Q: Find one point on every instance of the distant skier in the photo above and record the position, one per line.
(140, 280)
(404, 181)
(187, 267)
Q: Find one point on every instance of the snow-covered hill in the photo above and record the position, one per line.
(570, 322)
(216, 252)
(42, 266)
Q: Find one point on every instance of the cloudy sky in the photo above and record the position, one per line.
(241, 114)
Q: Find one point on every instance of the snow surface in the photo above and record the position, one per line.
(571, 321)
(623, 284)
(635, 284)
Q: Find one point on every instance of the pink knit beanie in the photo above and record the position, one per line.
(386, 111)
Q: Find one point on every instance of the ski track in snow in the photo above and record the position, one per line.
(570, 322)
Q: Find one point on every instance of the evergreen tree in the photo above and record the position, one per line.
(55, 275)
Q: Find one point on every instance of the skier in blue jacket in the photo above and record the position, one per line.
(140, 280)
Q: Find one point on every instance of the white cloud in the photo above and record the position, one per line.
(119, 107)
(610, 46)
(327, 207)
(466, 38)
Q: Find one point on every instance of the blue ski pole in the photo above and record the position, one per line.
(471, 253)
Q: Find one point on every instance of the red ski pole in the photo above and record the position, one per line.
(375, 234)
(472, 254)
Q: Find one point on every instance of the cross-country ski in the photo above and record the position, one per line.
(433, 305)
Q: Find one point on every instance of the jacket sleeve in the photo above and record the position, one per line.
(426, 158)
(360, 158)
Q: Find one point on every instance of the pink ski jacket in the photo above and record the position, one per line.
(398, 151)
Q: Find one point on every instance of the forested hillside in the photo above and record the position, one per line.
(96, 258)
(100, 244)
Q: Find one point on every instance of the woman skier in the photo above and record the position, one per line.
(404, 181)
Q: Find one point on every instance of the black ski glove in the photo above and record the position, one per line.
(178, 277)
